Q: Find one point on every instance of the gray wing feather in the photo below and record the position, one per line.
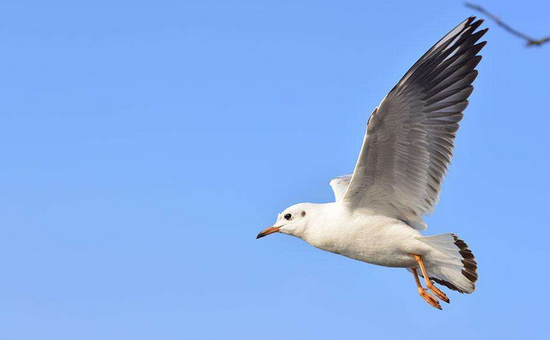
(410, 136)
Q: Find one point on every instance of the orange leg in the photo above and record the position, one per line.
(429, 282)
(423, 293)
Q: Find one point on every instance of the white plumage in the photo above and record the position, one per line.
(340, 186)
(377, 213)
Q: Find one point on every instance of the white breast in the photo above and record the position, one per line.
(369, 238)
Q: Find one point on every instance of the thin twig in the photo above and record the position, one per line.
(530, 41)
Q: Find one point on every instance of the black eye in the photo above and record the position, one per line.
(288, 216)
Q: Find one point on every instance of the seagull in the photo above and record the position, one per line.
(377, 213)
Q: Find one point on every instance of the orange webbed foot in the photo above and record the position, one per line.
(432, 301)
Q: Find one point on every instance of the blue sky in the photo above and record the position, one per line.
(146, 143)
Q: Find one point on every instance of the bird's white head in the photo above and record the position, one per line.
(293, 221)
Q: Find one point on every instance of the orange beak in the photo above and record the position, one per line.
(267, 231)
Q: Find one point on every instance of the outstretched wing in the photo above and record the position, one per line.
(410, 136)
(339, 186)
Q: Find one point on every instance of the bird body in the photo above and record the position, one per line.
(363, 236)
(377, 214)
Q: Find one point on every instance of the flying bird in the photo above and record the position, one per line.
(377, 213)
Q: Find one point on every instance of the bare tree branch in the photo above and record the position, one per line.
(530, 41)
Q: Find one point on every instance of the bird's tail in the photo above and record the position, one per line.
(451, 262)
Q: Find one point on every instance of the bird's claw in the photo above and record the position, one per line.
(439, 293)
(432, 301)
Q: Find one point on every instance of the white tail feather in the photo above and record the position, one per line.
(450, 262)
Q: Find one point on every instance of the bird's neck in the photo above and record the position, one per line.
(325, 219)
